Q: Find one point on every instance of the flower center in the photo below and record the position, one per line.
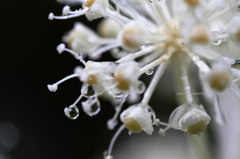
(88, 3)
(132, 125)
(219, 81)
(197, 128)
(122, 83)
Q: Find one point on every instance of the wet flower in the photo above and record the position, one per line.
(148, 34)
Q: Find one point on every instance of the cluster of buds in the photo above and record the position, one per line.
(143, 35)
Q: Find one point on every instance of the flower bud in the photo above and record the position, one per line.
(190, 118)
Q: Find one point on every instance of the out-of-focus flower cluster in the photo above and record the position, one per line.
(142, 35)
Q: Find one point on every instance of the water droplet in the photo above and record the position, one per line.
(151, 111)
(71, 112)
(91, 106)
(106, 155)
(177, 114)
(87, 91)
(150, 71)
(141, 87)
(116, 93)
(236, 64)
(217, 42)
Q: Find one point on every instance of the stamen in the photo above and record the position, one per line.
(103, 49)
(219, 37)
(219, 13)
(162, 132)
(155, 63)
(82, 12)
(140, 53)
(65, 10)
(161, 14)
(78, 99)
(122, 127)
(54, 86)
(149, 58)
(186, 85)
(196, 60)
(105, 41)
(60, 48)
(220, 117)
(117, 16)
(111, 123)
(153, 84)
(77, 55)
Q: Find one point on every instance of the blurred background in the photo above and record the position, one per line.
(32, 121)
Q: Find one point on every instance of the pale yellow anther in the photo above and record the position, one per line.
(91, 80)
(192, 3)
(71, 37)
(197, 128)
(88, 3)
(129, 35)
(122, 82)
(199, 34)
(238, 35)
(219, 81)
(132, 125)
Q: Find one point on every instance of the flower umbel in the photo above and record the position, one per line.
(146, 34)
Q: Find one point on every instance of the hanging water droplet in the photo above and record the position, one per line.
(87, 91)
(150, 71)
(116, 93)
(177, 114)
(106, 155)
(71, 112)
(91, 106)
(141, 87)
(219, 41)
(236, 64)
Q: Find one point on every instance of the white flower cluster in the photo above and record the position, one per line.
(143, 34)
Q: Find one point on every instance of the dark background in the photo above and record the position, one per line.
(29, 61)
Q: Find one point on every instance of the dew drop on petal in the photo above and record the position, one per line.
(116, 93)
(91, 106)
(236, 64)
(176, 115)
(87, 91)
(141, 87)
(71, 112)
(217, 42)
(153, 116)
(150, 71)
